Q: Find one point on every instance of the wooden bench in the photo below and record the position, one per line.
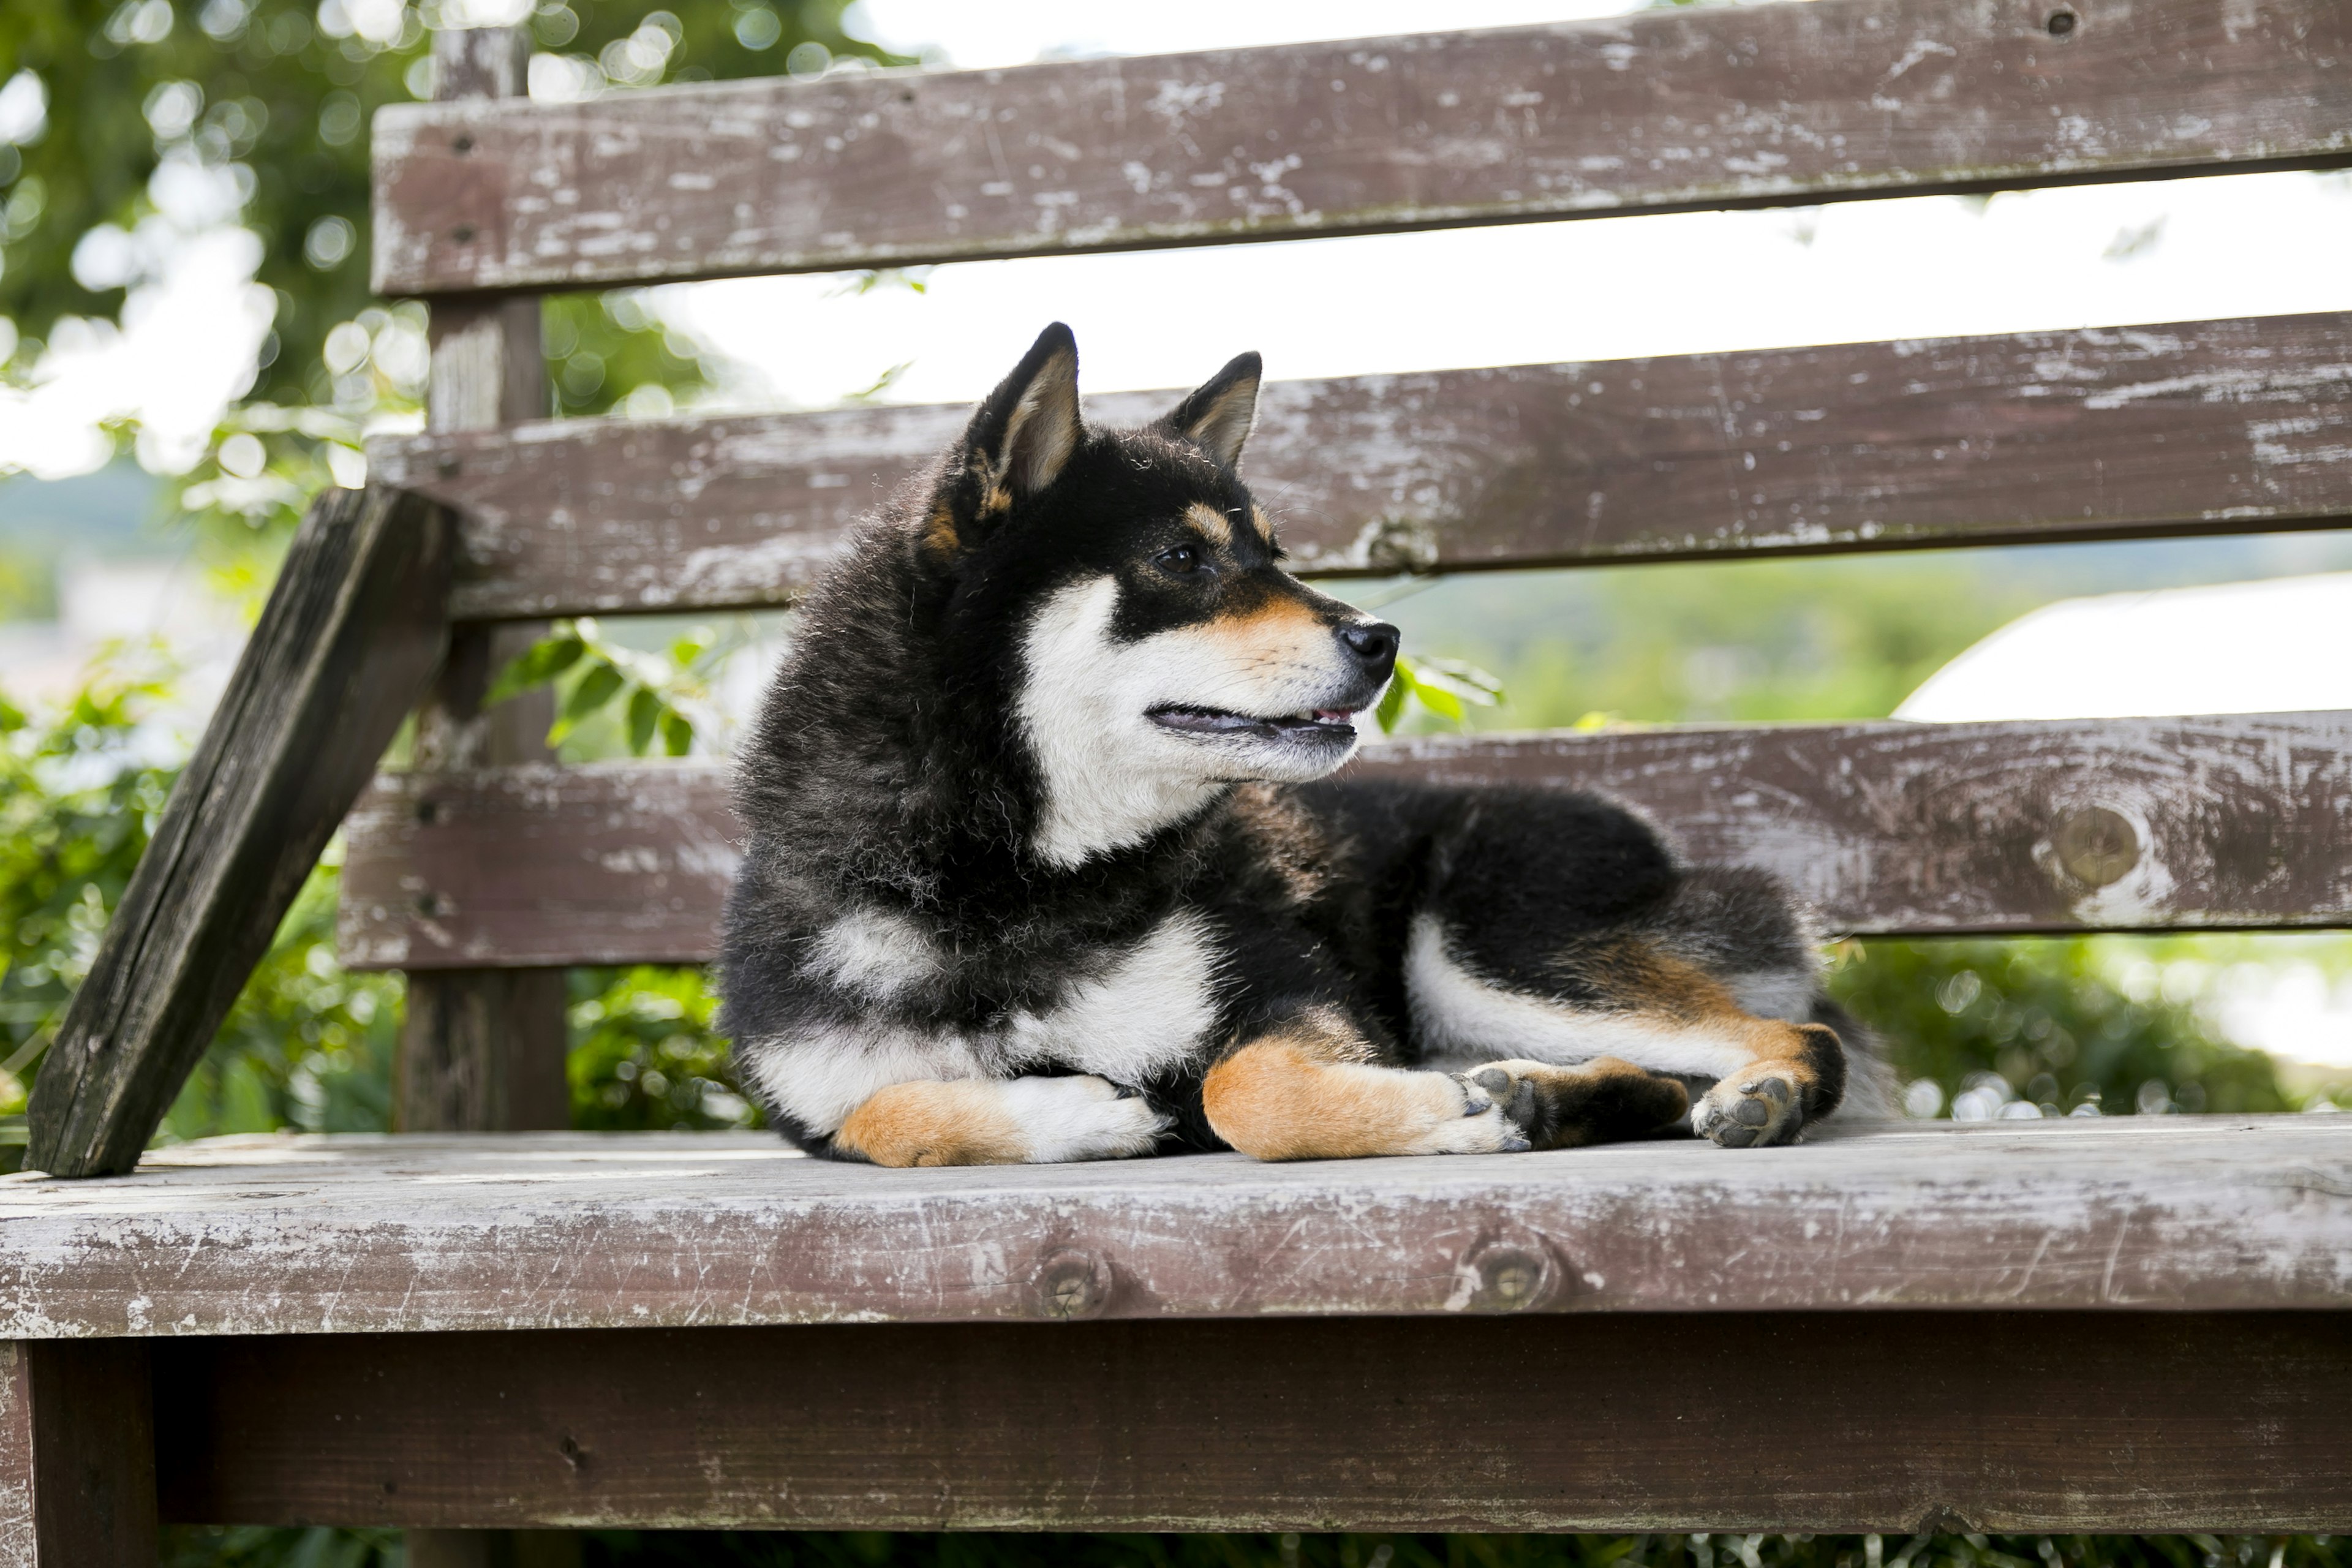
(2051, 1326)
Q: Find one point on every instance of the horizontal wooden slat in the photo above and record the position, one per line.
(2136, 824)
(1897, 1423)
(1647, 112)
(401, 1235)
(2194, 428)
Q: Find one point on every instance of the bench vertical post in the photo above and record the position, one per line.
(481, 1050)
(76, 1453)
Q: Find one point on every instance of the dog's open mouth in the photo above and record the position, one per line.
(1320, 726)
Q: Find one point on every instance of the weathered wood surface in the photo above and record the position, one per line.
(1885, 827)
(1896, 1422)
(77, 1454)
(482, 1050)
(280, 1236)
(2192, 427)
(350, 635)
(1785, 104)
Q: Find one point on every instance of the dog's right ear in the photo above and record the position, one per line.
(1027, 430)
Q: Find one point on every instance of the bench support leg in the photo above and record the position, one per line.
(77, 1454)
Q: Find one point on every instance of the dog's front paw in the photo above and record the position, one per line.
(1464, 1119)
(1753, 1109)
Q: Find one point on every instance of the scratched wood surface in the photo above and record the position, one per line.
(1896, 1422)
(2190, 427)
(1784, 103)
(2127, 824)
(371, 1234)
(350, 636)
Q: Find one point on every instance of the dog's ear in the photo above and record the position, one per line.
(1028, 427)
(1217, 418)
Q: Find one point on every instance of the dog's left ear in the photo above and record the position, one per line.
(1217, 418)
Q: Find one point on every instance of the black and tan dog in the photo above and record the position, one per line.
(1041, 870)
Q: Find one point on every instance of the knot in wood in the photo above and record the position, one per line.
(1506, 1276)
(2096, 846)
(1071, 1285)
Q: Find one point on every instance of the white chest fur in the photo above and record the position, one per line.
(1144, 1010)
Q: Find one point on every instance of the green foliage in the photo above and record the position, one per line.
(279, 93)
(307, 1045)
(1439, 686)
(644, 1055)
(650, 699)
(614, 1549)
(78, 796)
(2059, 1022)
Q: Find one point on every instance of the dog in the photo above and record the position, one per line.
(1046, 862)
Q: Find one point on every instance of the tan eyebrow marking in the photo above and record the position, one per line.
(1210, 521)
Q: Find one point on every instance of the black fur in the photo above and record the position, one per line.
(887, 772)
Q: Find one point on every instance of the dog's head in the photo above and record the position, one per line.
(1130, 595)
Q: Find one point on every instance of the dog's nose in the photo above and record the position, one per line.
(1374, 643)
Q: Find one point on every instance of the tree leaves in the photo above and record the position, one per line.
(1439, 685)
(657, 696)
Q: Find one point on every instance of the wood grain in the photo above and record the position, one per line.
(77, 1454)
(482, 1049)
(415, 1234)
(1887, 827)
(1780, 104)
(350, 635)
(2191, 428)
(1894, 1421)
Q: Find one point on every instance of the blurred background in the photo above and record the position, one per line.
(188, 353)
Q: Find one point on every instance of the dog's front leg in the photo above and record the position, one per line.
(999, 1121)
(1306, 1089)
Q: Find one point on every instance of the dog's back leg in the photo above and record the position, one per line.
(999, 1121)
(1307, 1090)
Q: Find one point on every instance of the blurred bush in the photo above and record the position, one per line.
(2046, 1026)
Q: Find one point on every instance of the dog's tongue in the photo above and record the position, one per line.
(1332, 715)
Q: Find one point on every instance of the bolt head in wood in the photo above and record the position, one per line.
(2097, 847)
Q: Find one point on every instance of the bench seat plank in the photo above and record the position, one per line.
(1647, 112)
(2190, 427)
(377, 1235)
(1887, 827)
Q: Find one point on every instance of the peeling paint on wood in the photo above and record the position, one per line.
(376, 1234)
(1779, 104)
(1885, 827)
(2192, 427)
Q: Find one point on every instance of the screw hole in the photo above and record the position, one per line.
(463, 234)
(2060, 23)
(463, 146)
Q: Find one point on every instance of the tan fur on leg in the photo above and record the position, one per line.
(1297, 1095)
(957, 1123)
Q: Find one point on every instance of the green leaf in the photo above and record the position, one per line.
(537, 664)
(597, 687)
(11, 717)
(1392, 700)
(677, 732)
(1438, 701)
(645, 711)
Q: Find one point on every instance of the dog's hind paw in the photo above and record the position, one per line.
(1753, 1109)
(1599, 1101)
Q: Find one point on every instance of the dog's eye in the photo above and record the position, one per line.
(1181, 559)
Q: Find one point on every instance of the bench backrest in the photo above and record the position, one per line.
(2205, 427)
